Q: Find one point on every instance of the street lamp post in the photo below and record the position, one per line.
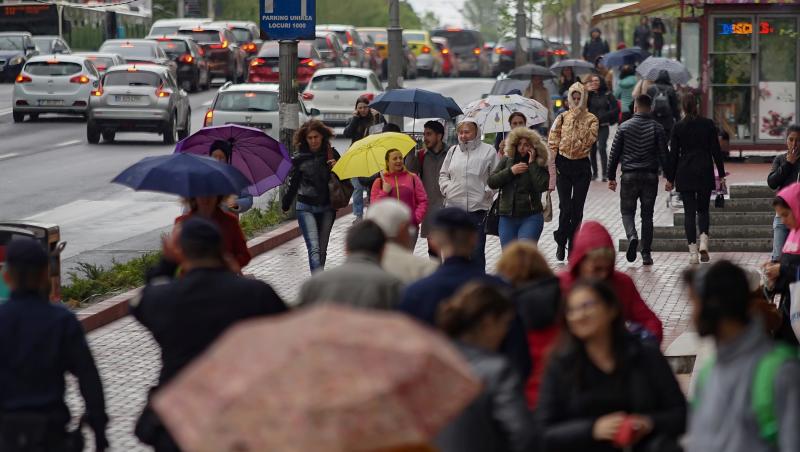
(288, 104)
(395, 35)
(520, 56)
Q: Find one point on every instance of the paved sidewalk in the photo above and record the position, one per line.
(129, 361)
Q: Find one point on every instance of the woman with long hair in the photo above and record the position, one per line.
(222, 151)
(397, 182)
(566, 79)
(364, 118)
(308, 182)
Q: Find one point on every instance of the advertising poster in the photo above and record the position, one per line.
(776, 106)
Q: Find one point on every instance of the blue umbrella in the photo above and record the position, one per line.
(416, 103)
(186, 175)
(629, 55)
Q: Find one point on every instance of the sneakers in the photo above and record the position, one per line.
(694, 258)
(561, 252)
(633, 244)
(703, 248)
(647, 259)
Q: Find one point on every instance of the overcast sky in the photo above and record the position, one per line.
(448, 11)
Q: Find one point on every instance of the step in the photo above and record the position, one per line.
(723, 217)
(751, 191)
(715, 245)
(719, 232)
(746, 205)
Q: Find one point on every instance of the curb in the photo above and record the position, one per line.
(115, 308)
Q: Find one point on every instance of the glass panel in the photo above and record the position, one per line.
(52, 69)
(733, 34)
(690, 50)
(732, 69)
(732, 110)
(248, 101)
(777, 49)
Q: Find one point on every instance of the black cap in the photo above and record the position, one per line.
(454, 218)
(26, 253)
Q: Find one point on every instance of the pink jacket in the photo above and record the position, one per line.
(407, 188)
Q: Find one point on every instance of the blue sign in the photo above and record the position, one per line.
(288, 19)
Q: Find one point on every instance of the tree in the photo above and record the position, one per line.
(483, 15)
(430, 21)
(364, 13)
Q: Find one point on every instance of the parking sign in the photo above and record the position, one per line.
(288, 19)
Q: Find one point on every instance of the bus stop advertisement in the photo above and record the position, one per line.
(50, 238)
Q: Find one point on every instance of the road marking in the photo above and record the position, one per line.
(67, 143)
(7, 111)
(7, 156)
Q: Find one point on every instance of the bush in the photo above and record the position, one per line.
(256, 220)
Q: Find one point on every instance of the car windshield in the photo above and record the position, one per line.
(377, 36)
(322, 44)
(414, 37)
(458, 38)
(45, 45)
(11, 43)
(203, 37)
(270, 50)
(247, 101)
(339, 82)
(242, 35)
(174, 48)
(129, 50)
(164, 30)
(131, 78)
(49, 68)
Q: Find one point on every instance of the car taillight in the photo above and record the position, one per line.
(224, 45)
(209, 118)
(100, 67)
(23, 79)
(250, 47)
(308, 62)
(445, 51)
(82, 79)
(258, 62)
(503, 51)
(426, 49)
(476, 51)
(369, 50)
(98, 92)
(161, 92)
(308, 95)
(349, 38)
(186, 58)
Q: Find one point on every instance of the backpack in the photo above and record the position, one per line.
(661, 106)
(762, 393)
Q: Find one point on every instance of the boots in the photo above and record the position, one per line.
(694, 258)
(704, 248)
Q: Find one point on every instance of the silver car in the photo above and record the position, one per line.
(54, 84)
(134, 98)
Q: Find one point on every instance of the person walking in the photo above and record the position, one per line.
(42, 341)
(427, 163)
(186, 315)
(641, 35)
(397, 182)
(359, 281)
(605, 390)
(596, 46)
(234, 241)
(308, 182)
(658, 29)
(604, 106)
(521, 177)
(516, 119)
(358, 127)
(748, 398)
(665, 108)
(694, 152)
(606, 74)
(477, 318)
(394, 219)
(222, 151)
(624, 90)
(566, 79)
(572, 136)
(537, 91)
(463, 179)
(640, 148)
(785, 171)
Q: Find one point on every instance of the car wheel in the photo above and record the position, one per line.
(170, 130)
(92, 133)
(109, 136)
(18, 117)
(187, 128)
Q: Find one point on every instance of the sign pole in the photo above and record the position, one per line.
(288, 106)
(520, 56)
(395, 35)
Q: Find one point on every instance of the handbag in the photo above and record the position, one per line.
(491, 224)
(548, 208)
(719, 201)
(339, 191)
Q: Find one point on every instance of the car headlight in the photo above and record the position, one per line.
(16, 60)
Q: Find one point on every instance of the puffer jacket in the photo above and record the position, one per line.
(407, 188)
(639, 145)
(308, 179)
(573, 133)
(521, 194)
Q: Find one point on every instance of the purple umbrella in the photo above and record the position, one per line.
(262, 159)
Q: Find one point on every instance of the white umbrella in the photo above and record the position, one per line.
(651, 67)
(492, 112)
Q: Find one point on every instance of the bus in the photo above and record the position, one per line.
(84, 26)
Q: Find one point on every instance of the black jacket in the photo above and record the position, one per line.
(783, 173)
(594, 48)
(575, 393)
(604, 105)
(641, 37)
(639, 145)
(358, 126)
(694, 149)
(308, 179)
(663, 82)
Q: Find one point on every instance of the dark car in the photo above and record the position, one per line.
(264, 68)
(247, 35)
(536, 52)
(331, 49)
(139, 51)
(557, 51)
(225, 57)
(15, 49)
(191, 60)
(468, 47)
(352, 42)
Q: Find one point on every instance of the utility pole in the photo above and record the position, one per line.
(211, 9)
(575, 33)
(395, 35)
(521, 56)
(179, 4)
(288, 105)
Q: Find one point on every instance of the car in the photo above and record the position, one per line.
(141, 51)
(334, 92)
(225, 58)
(468, 47)
(330, 47)
(557, 51)
(247, 34)
(536, 52)
(374, 59)
(51, 45)
(138, 98)
(54, 84)
(102, 61)
(164, 27)
(429, 59)
(351, 41)
(449, 59)
(190, 58)
(15, 50)
(264, 68)
(251, 105)
(381, 38)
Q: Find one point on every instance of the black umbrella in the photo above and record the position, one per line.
(577, 66)
(531, 70)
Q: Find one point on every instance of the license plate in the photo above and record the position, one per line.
(127, 98)
(50, 102)
(336, 116)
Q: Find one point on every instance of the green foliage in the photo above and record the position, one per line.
(91, 282)
(430, 21)
(240, 10)
(483, 15)
(256, 220)
(364, 13)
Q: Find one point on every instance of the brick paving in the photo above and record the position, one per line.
(129, 362)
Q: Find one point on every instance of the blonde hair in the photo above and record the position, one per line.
(522, 262)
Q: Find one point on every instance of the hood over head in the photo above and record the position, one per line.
(468, 146)
(791, 194)
(591, 236)
(663, 78)
(539, 146)
(579, 88)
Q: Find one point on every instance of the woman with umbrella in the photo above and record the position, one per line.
(222, 151)
(397, 182)
(235, 244)
(567, 79)
(357, 128)
(539, 93)
(308, 182)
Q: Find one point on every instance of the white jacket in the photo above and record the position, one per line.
(464, 173)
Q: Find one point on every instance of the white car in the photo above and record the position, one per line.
(54, 84)
(251, 105)
(334, 92)
(163, 27)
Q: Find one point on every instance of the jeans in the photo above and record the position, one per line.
(779, 234)
(572, 183)
(643, 187)
(358, 197)
(600, 145)
(695, 209)
(316, 226)
(513, 228)
(479, 254)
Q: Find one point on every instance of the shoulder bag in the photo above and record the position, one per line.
(339, 191)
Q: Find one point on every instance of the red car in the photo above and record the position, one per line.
(264, 68)
(450, 60)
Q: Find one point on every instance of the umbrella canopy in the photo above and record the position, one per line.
(328, 378)
(262, 159)
(507, 84)
(578, 66)
(527, 71)
(651, 67)
(492, 112)
(367, 156)
(416, 103)
(629, 55)
(186, 175)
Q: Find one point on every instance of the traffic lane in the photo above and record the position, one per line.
(6, 89)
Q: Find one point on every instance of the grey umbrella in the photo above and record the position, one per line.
(578, 66)
(650, 68)
(529, 70)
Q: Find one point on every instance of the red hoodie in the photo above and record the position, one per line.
(591, 236)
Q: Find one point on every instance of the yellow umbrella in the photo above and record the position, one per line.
(368, 155)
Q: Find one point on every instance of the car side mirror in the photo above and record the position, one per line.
(314, 112)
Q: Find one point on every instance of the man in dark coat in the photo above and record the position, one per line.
(595, 46)
(641, 35)
(602, 104)
(41, 341)
(785, 171)
(186, 315)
